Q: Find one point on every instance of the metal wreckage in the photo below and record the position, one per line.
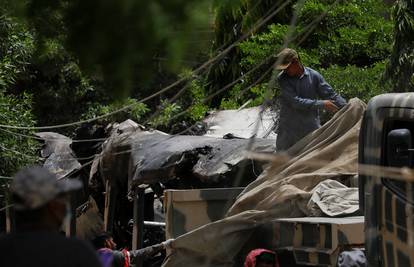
(309, 205)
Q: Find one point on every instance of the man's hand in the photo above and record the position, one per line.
(167, 244)
(330, 106)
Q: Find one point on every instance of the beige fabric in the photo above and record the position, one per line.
(332, 198)
(282, 191)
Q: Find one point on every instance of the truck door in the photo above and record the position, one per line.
(386, 139)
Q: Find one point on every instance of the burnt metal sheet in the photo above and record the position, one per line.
(59, 157)
(242, 123)
(146, 157)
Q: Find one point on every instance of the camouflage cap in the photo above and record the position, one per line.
(35, 186)
(285, 58)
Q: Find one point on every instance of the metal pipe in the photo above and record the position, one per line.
(154, 224)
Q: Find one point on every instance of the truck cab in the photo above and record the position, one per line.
(386, 139)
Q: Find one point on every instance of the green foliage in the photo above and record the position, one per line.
(197, 94)
(233, 101)
(262, 46)
(61, 92)
(232, 21)
(15, 151)
(259, 95)
(239, 96)
(191, 106)
(118, 39)
(165, 118)
(348, 42)
(135, 113)
(361, 82)
(354, 33)
(400, 70)
(16, 49)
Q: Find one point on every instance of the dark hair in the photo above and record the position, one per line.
(266, 257)
(27, 216)
(99, 241)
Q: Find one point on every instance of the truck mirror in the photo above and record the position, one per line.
(399, 147)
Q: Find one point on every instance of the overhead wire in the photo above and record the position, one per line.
(180, 114)
(165, 89)
(224, 88)
(261, 78)
(206, 99)
(272, 81)
(257, 25)
(18, 153)
(52, 138)
(268, 13)
(98, 156)
(249, 146)
(124, 108)
(89, 140)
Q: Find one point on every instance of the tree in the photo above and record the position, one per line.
(347, 41)
(15, 151)
(116, 39)
(400, 69)
(16, 47)
(232, 21)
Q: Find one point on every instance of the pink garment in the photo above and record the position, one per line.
(251, 257)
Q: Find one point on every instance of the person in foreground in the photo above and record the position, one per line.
(110, 257)
(41, 204)
(261, 258)
(303, 93)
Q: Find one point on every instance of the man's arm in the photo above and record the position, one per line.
(145, 253)
(326, 92)
(289, 95)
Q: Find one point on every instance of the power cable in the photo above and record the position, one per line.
(93, 157)
(165, 89)
(182, 113)
(176, 116)
(219, 91)
(19, 153)
(249, 145)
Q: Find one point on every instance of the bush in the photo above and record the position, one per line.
(198, 108)
(135, 113)
(352, 81)
(16, 49)
(348, 45)
(16, 151)
(167, 113)
(262, 46)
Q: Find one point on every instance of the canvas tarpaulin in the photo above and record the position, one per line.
(332, 198)
(282, 191)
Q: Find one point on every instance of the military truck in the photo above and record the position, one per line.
(386, 230)
(386, 139)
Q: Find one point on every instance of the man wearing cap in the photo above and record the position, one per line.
(41, 204)
(303, 92)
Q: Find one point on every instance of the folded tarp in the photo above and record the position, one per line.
(282, 191)
(331, 198)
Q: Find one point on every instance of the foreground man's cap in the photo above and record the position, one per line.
(36, 186)
(285, 58)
